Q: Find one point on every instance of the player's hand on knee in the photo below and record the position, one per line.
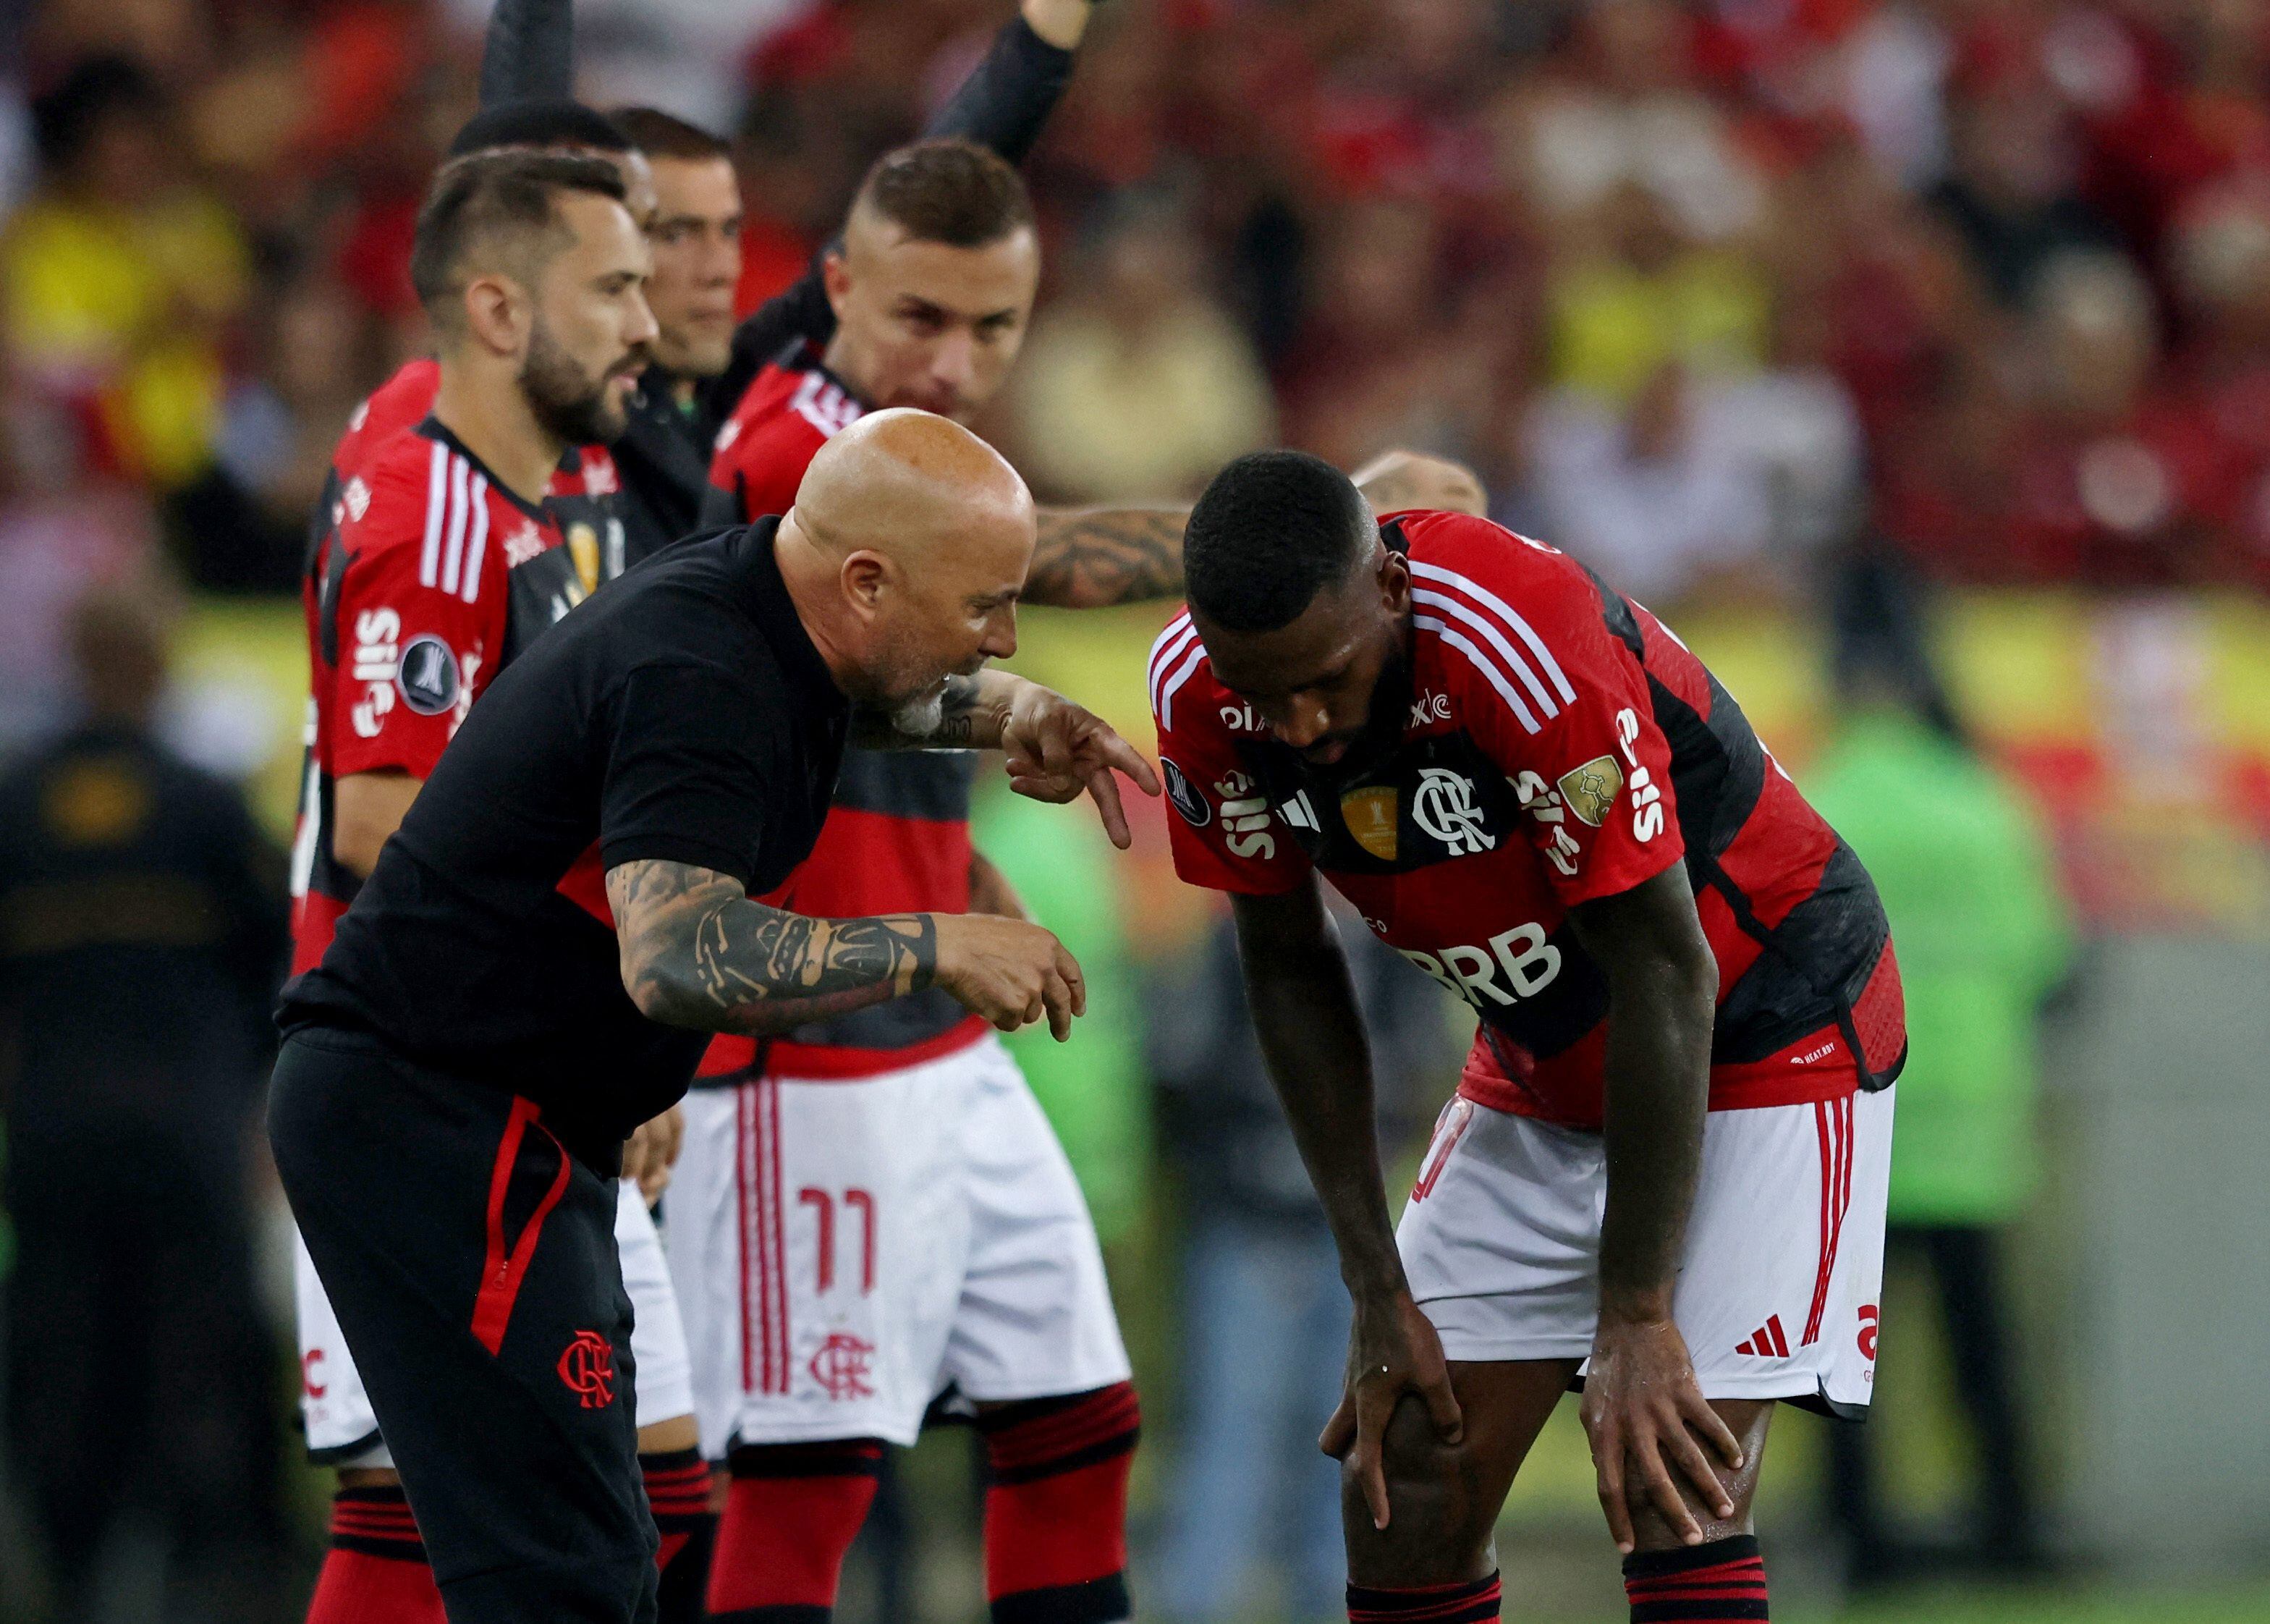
(1012, 972)
(1647, 1423)
(1393, 1350)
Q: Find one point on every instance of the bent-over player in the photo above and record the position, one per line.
(1664, 1175)
(571, 906)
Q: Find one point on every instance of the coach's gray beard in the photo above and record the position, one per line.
(921, 718)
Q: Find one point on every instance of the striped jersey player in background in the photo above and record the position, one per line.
(1664, 1175)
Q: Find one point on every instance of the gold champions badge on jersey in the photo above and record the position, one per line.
(1370, 816)
(1592, 789)
(584, 551)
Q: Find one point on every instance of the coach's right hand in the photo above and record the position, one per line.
(1009, 971)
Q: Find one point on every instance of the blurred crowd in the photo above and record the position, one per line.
(1704, 286)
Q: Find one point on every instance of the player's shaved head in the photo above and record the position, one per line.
(906, 549)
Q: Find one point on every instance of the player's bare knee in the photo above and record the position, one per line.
(1439, 1526)
(1749, 1418)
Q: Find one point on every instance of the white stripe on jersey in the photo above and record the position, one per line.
(1514, 662)
(1504, 610)
(1168, 649)
(453, 561)
(477, 542)
(437, 483)
(1182, 674)
(1488, 668)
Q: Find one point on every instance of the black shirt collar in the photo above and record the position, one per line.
(764, 595)
(433, 428)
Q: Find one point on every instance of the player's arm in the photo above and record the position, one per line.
(529, 52)
(1005, 101)
(1643, 1409)
(366, 808)
(1093, 558)
(698, 952)
(1304, 1011)
(1055, 749)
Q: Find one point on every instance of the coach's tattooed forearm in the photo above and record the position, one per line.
(1091, 558)
(697, 953)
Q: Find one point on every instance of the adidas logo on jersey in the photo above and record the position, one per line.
(1768, 1341)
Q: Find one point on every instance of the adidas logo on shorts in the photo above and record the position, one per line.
(1767, 1342)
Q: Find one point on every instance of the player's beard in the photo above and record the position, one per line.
(567, 402)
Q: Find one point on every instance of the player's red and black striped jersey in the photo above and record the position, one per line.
(897, 839)
(580, 508)
(434, 576)
(794, 406)
(1556, 744)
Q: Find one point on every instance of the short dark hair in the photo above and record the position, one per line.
(540, 123)
(66, 117)
(493, 201)
(664, 135)
(1273, 531)
(951, 191)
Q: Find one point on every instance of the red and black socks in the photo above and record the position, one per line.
(375, 1571)
(1714, 1583)
(791, 1513)
(1056, 1507)
(1469, 1601)
(678, 1494)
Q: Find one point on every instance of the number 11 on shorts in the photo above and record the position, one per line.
(823, 1203)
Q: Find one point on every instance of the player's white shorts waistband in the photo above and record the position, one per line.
(342, 1431)
(1778, 1289)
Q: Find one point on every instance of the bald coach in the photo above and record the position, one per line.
(573, 904)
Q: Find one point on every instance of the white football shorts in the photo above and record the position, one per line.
(1776, 1295)
(847, 1250)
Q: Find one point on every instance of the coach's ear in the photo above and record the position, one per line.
(866, 578)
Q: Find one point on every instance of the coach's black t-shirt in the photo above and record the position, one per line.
(682, 714)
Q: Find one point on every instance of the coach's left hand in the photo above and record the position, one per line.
(1643, 1412)
(1057, 749)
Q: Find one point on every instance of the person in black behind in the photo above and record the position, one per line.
(566, 914)
(142, 935)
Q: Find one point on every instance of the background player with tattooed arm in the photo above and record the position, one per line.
(571, 906)
(1665, 1172)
